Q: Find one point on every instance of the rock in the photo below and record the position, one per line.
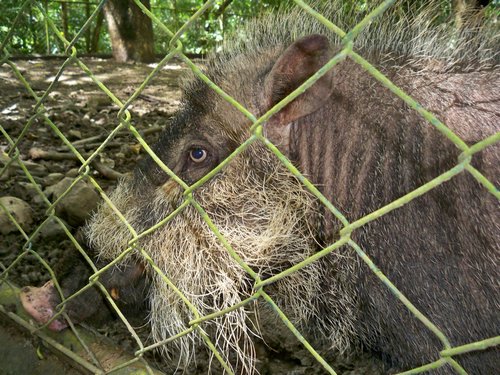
(108, 162)
(96, 102)
(20, 211)
(75, 134)
(52, 229)
(56, 95)
(72, 173)
(76, 206)
(38, 200)
(35, 169)
(25, 190)
(4, 159)
(52, 179)
(56, 167)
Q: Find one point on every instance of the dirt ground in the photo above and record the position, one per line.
(21, 355)
(86, 115)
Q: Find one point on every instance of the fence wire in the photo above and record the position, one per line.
(463, 165)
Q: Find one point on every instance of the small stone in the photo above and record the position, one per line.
(72, 173)
(19, 210)
(26, 190)
(108, 162)
(100, 122)
(75, 134)
(77, 205)
(52, 178)
(56, 95)
(4, 159)
(38, 200)
(97, 101)
(36, 169)
(56, 168)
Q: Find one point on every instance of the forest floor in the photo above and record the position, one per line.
(86, 115)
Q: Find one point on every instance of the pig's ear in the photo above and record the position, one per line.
(299, 62)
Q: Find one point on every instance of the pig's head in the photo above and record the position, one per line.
(261, 209)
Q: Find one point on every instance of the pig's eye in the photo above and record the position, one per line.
(198, 154)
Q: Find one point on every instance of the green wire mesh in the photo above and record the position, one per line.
(463, 165)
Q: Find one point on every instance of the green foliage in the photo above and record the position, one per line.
(212, 26)
(27, 36)
(33, 36)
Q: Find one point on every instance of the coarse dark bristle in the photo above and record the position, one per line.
(406, 34)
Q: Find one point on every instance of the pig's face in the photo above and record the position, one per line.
(257, 205)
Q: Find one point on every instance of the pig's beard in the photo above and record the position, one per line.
(264, 219)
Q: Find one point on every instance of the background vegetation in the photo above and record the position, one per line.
(33, 35)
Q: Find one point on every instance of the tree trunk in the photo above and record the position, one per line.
(64, 16)
(94, 44)
(88, 32)
(130, 30)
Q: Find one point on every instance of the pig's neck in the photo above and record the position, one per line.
(364, 149)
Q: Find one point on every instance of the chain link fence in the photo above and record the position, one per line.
(124, 122)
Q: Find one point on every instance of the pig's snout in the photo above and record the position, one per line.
(41, 304)
(126, 285)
